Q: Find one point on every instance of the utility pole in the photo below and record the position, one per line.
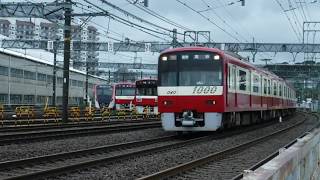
(66, 62)
(174, 38)
(87, 80)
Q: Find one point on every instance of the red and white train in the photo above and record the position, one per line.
(122, 96)
(146, 98)
(204, 89)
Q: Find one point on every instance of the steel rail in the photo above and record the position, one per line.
(214, 156)
(69, 125)
(51, 157)
(58, 134)
(93, 162)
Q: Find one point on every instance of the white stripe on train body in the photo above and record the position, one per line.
(190, 91)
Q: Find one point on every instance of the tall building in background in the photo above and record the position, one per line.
(39, 29)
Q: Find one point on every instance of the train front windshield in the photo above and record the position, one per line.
(104, 94)
(125, 91)
(190, 69)
(147, 91)
(146, 88)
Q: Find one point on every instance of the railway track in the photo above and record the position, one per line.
(192, 169)
(52, 165)
(14, 138)
(67, 125)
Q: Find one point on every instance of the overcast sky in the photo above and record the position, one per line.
(263, 20)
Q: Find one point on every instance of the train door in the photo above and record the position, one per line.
(232, 95)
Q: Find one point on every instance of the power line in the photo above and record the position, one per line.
(224, 21)
(153, 13)
(105, 29)
(294, 30)
(208, 19)
(129, 23)
(134, 16)
(299, 3)
(232, 17)
(293, 10)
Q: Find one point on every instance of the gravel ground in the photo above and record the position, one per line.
(235, 164)
(137, 167)
(19, 151)
(27, 168)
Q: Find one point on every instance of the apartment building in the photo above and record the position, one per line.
(37, 29)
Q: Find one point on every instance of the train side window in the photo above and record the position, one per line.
(255, 83)
(242, 80)
(274, 88)
(229, 77)
(280, 90)
(233, 78)
(269, 87)
(264, 86)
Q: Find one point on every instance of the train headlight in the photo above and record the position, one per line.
(164, 58)
(216, 57)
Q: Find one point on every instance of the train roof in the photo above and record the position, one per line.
(146, 79)
(127, 82)
(193, 48)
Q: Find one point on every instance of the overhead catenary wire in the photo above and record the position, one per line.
(265, 55)
(134, 16)
(157, 15)
(209, 20)
(299, 3)
(296, 19)
(288, 18)
(224, 21)
(129, 23)
(102, 27)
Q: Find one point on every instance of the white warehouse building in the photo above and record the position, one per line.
(29, 80)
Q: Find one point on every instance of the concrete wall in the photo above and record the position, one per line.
(299, 162)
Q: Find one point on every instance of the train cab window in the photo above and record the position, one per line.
(169, 79)
(242, 80)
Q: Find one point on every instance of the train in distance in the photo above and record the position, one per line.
(141, 95)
